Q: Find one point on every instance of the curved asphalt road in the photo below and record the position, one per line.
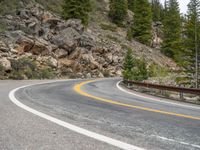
(20, 129)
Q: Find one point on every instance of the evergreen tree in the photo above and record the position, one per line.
(134, 69)
(172, 29)
(128, 65)
(142, 70)
(78, 9)
(131, 4)
(191, 39)
(118, 11)
(142, 26)
(156, 10)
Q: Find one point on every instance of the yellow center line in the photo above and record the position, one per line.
(77, 88)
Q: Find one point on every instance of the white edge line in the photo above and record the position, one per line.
(69, 126)
(153, 99)
(172, 140)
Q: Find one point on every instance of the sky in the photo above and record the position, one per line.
(183, 5)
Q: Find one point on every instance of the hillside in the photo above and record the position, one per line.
(36, 43)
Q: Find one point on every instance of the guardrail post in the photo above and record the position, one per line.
(181, 96)
(128, 85)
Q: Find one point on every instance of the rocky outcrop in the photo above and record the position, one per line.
(63, 45)
(157, 34)
(66, 46)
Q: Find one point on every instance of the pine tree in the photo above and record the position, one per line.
(118, 11)
(191, 39)
(128, 65)
(77, 9)
(131, 4)
(142, 26)
(134, 69)
(172, 29)
(142, 70)
(156, 10)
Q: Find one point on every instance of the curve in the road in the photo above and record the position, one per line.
(153, 99)
(69, 126)
(78, 89)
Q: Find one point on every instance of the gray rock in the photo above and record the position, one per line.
(61, 53)
(52, 62)
(87, 40)
(13, 36)
(24, 14)
(4, 47)
(40, 47)
(100, 75)
(52, 22)
(109, 58)
(67, 39)
(88, 75)
(5, 63)
(75, 24)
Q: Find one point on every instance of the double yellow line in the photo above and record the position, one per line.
(77, 88)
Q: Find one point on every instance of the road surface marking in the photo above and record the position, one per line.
(71, 127)
(172, 140)
(77, 88)
(153, 99)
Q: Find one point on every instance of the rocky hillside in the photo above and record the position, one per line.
(34, 41)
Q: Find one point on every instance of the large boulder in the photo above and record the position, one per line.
(75, 24)
(66, 63)
(61, 53)
(52, 62)
(87, 40)
(24, 14)
(25, 44)
(3, 47)
(68, 39)
(5, 63)
(77, 53)
(52, 22)
(40, 47)
(35, 46)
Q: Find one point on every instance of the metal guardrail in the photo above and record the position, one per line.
(164, 87)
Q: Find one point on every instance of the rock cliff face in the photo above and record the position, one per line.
(66, 46)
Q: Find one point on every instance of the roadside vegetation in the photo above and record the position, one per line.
(26, 68)
(181, 32)
(134, 69)
(138, 70)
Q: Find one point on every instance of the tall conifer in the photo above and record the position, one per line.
(118, 11)
(172, 29)
(156, 10)
(142, 26)
(131, 4)
(192, 39)
(78, 9)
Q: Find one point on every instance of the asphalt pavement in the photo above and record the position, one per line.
(20, 129)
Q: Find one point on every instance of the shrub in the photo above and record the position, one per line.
(110, 27)
(129, 35)
(2, 72)
(158, 71)
(46, 73)
(142, 70)
(113, 38)
(3, 27)
(8, 6)
(134, 69)
(124, 46)
(26, 68)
